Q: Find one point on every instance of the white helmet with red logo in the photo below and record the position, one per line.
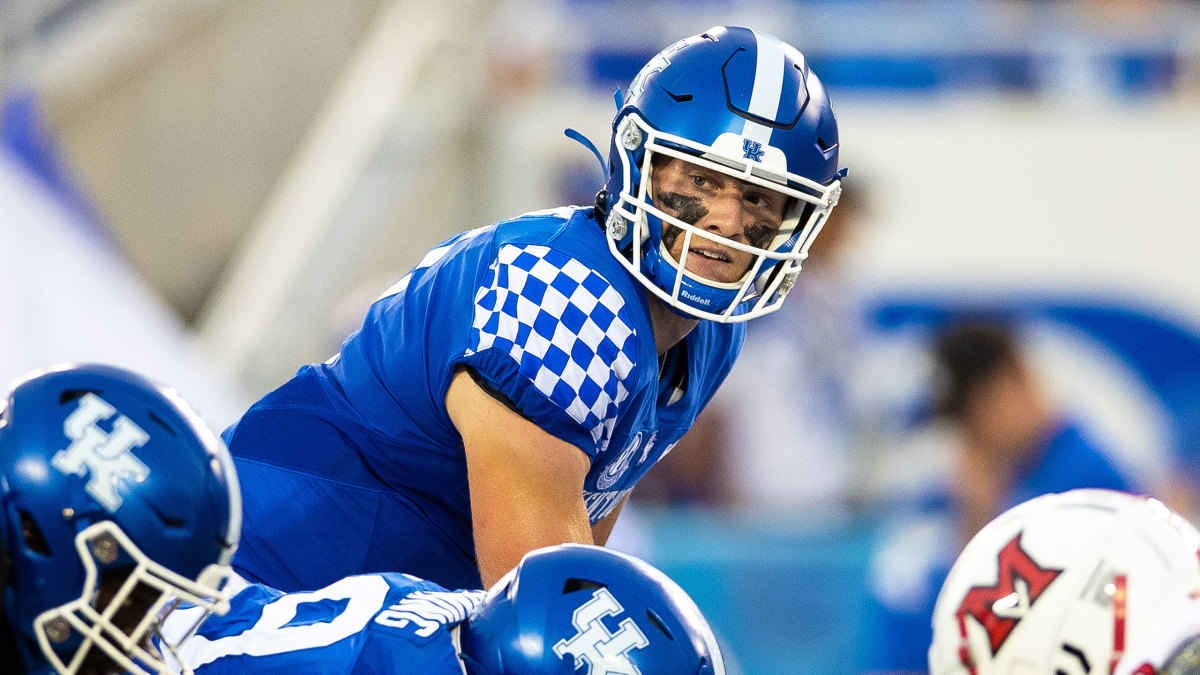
(1063, 584)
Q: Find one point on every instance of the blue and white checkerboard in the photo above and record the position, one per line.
(567, 328)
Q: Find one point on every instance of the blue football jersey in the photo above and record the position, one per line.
(376, 623)
(354, 466)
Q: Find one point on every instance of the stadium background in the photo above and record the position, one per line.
(212, 191)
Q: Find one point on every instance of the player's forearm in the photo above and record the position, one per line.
(526, 485)
(501, 542)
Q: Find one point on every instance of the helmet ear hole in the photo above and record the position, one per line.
(34, 539)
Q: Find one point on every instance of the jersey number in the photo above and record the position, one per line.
(271, 634)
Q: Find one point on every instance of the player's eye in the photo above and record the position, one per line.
(765, 197)
(764, 201)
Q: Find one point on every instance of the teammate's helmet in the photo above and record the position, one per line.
(571, 607)
(117, 502)
(742, 103)
(1063, 583)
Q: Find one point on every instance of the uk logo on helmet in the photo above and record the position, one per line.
(593, 646)
(105, 458)
(656, 65)
(999, 608)
(752, 150)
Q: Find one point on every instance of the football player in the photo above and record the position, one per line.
(116, 503)
(564, 609)
(120, 512)
(1066, 583)
(509, 392)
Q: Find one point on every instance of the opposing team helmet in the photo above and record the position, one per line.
(1063, 583)
(572, 609)
(111, 490)
(744, 104)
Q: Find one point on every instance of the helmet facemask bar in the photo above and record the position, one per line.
(773, 268)
(102, 543)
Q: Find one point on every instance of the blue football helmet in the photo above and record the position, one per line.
(117, 503)
(742, 103)
(586, 610)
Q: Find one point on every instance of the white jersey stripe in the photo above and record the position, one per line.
(768, 87)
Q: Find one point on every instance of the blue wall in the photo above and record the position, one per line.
(783, 601)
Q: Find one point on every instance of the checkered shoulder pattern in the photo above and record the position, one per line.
(566, 326)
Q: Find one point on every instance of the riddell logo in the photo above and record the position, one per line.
(695, 298)
(999, 608)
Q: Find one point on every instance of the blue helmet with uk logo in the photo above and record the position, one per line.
(746, 105)
(118, 502)
(575, 609)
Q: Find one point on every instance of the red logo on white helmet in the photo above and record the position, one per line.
(999, 608)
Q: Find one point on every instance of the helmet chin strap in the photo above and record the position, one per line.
(601, 205)
(583, 140)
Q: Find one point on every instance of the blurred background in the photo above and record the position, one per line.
(1007, 301)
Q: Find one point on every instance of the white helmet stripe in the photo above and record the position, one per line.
(768, 87)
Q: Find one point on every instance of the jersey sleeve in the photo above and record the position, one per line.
(555, 338)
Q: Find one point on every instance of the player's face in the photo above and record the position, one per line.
(720, 205)
(131, 612)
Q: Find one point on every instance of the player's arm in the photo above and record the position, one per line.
(526, 485)
(602, 529)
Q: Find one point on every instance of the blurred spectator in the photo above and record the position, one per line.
(781, 434)
(1011, 444)
(1015, 443)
